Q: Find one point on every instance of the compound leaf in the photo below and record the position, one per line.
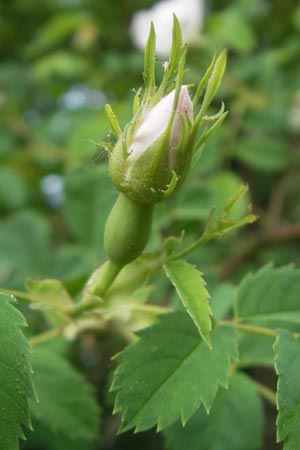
(170, 371)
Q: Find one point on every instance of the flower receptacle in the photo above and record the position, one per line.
(127, 230)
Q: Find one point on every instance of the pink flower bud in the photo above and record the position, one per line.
(155, 123)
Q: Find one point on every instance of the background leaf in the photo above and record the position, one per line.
(89, 198)
(263, 153)
(67, 403)
(235, 421)
(287, 366)
(190, 287)
(270, 295)
(170, 371)
(15, 376)
(44, 438)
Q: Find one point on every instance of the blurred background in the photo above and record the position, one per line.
(61, 61)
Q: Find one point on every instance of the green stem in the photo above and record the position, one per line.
(186, 251)
(266, 392)
(97, 285)
(102, 278)
(252, 329)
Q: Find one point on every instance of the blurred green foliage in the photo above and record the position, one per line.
(61, 60)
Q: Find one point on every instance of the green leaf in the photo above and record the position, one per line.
(44, 438)
(28, 256)
(222, 297)
(264, 153)
(67, 402)
(18, 191)
(15, 376)
(190, 287)
(62, 64)
(287, 366)
(169, 372)
(232, 28)
(89, 198)
(234, 423)
(270, 295)
(54, 32)
(48, 293)
(255, 350)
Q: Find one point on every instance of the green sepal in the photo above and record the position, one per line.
(113, 121)
(137, 100)
(210, 131)
(177, 51)
(149, 65)
(213, 84)
(204, 79)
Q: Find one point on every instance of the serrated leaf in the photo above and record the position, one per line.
(190, 287)
(169, 372)
(287, 366)
(15, 376)
(67, 403)
(48, 293)
(255, 350)
(234, 423)
(270, 295)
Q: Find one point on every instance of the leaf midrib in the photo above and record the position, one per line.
(161, 384)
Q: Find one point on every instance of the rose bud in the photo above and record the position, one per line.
(154, 152)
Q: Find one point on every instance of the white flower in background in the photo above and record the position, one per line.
(190, 14)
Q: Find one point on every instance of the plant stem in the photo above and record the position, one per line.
(95, 288)
(102, 278)
(266, 392)
(186, 251)
(252, 329)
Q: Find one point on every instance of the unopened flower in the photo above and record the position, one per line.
(154, 152)
(154, 124)
(190, 14)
